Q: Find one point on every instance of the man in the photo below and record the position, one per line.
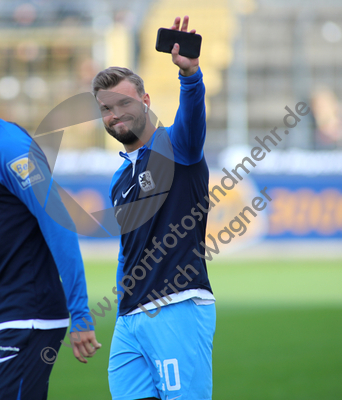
(35, 251)
(162, 343)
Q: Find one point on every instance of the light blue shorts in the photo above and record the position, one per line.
(167, 357)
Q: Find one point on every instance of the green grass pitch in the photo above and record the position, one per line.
(278, 334)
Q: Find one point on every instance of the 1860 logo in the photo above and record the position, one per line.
(146, 181)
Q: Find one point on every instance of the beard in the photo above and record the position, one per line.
(128, 136)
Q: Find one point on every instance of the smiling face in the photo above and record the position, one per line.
(123, 112)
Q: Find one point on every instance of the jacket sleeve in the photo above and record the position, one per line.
(187, 134)
(121, 260)
(119, 276)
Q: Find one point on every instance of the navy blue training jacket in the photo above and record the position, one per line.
(168, 182)
(35, 250)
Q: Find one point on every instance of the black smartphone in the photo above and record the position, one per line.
(190, 43)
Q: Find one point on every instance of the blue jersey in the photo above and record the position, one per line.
(35, 251)
(156, 203)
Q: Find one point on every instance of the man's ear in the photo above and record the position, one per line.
(146, 99)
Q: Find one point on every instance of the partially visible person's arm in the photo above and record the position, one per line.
(62, 241)
(187, 134)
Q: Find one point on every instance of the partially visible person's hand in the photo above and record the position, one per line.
(84, 344)
(187, 66)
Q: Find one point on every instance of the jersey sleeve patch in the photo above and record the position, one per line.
(26, 170)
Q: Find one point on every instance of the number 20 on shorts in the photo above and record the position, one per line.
(170, 368)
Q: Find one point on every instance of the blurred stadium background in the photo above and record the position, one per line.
(278, 286)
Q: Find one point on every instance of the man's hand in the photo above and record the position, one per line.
(187, 66)
(84, 344)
